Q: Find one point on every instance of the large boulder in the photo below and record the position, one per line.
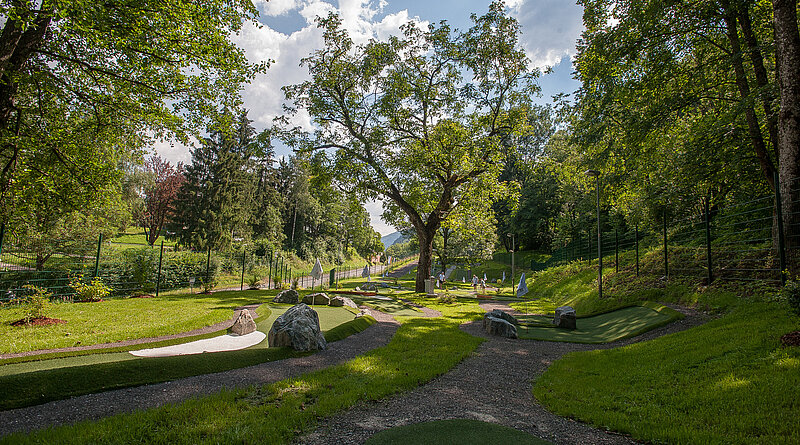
(289, 296)
(497, 313)
(297, 328)
(565, 317)
(244, 324)
(370, 287)
(498, 326)
(342, 301)
(318, 298)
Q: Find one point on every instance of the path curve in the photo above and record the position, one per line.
(97, 406)
(494, 385)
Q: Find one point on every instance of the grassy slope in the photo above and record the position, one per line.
(421, 349)
(728, 381)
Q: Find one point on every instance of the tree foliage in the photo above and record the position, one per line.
(404, 123)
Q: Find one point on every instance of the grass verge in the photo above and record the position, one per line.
(422, 349)
(728, 381)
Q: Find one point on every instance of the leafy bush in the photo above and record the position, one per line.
(96, 290)
(791, 292)
(34, 302)
(256, 275)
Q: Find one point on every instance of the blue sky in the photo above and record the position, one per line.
(288, 33)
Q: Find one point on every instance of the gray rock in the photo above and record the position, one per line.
(318, 298)
(342, 301)
(565, 317)
(244, 324)
(497, 313)
(498, 326)
(370, 287)
(288, 296)
(297, 328)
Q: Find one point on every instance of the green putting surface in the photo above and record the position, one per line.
(603, 328)
(392, 307)
(454, 431)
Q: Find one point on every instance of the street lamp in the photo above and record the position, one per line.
(513, 247)
(596, 174)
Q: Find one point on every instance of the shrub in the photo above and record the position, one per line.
(256, 275)
(791, 292)
(34, 302)
(96, 290)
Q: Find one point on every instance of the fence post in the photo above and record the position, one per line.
(269, 276)
(781, 240)
(2, 237)
(616, 250)
(158, 275)
(241, 286)
(666, 253)
(636, 237)
(708, 244)
(97, 257)
(208, 267)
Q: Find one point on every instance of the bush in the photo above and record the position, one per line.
(34, 302)
(256, 275)
(96, 290)
(791, 292)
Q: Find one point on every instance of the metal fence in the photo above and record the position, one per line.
(743, 241)
(52, 264)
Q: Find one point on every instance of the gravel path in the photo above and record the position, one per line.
(96, 406)
(493, 385)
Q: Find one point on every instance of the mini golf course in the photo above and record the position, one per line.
(33, 382)
(601, 328)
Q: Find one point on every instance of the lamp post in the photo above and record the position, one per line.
(513, 248)
(596, 174)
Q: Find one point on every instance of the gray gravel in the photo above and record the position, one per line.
(492, 385)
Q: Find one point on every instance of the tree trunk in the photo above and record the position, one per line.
(753, 127)
(425, 257)
(787, 48)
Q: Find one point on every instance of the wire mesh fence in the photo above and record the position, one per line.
(743, 241)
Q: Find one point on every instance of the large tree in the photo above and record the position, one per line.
(404, 123)
(160, 190)
(85, 80)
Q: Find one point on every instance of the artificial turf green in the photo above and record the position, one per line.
(453, 431)
(602, 328)
(727, 381)
(393, 307)
(96, 373)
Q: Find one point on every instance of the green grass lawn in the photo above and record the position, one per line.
(422, 349)
(728, 381)
(31, 383)
(120, 319)
(453, 431)
(602, 328)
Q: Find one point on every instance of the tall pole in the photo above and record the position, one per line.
(97, 257)
(513, 264)
(599, 244)
(158, 277)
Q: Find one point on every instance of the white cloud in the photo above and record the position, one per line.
(549, 29)
(276, 7)
(375, 210)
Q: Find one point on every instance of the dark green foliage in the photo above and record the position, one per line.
(791, 292)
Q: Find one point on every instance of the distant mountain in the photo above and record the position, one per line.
(392, 238)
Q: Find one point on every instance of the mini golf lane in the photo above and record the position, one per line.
(603, 328)
(330, 317)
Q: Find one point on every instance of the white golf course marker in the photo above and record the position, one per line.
(215, 344)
